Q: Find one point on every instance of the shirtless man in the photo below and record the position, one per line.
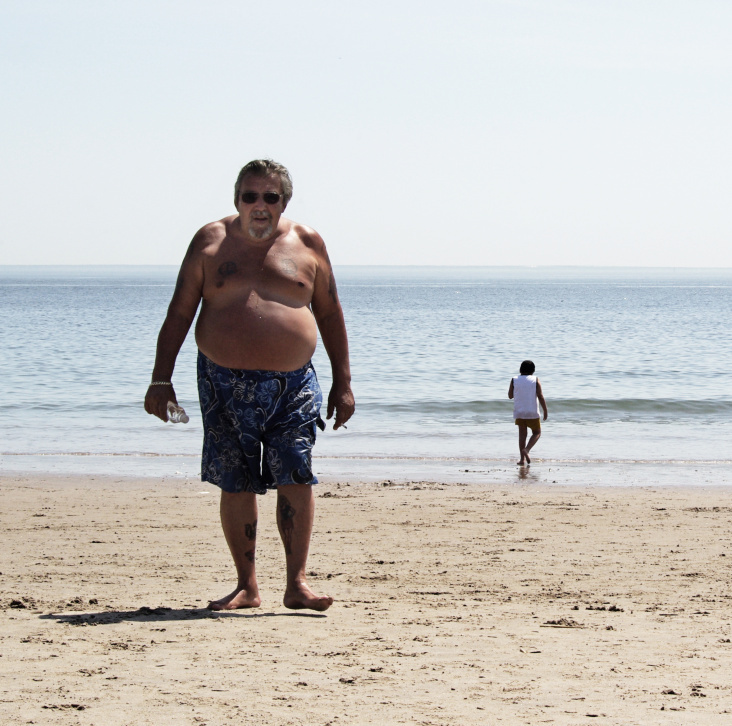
(265, 282)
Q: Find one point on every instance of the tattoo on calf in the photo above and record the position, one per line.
(287, 513)
(250, 555)
(251, 531)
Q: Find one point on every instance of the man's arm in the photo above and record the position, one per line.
(329, 317)
(540, 396)
(510, 389)
(181, 312)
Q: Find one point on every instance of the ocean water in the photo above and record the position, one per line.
(633, 363)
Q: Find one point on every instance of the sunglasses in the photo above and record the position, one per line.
(268, 197)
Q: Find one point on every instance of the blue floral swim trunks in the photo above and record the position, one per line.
(258, 426)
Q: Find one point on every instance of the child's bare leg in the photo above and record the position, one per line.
(522, 443)
(534, 438)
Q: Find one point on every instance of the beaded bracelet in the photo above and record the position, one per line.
(161, 383)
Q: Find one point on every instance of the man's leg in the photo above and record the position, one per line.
(522, 443)
(239, 522)
(295, 510)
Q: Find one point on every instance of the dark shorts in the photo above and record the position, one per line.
(533, 423)
(258, 426)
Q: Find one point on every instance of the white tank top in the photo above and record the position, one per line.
(525, 402)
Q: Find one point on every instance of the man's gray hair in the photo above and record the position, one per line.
(266, 167)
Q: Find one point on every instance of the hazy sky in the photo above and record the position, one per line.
(547, 132)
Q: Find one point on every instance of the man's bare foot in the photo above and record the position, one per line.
(528, 460)
(240, 598)
(303, 598)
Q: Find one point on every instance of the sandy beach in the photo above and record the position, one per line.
(455, 604)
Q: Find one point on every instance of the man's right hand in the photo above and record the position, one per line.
(156, 400)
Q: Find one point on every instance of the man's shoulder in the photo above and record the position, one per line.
(213, 233)
(305, 235)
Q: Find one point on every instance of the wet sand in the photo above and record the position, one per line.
(519, 602)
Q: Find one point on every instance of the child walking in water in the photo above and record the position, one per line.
(525, 390)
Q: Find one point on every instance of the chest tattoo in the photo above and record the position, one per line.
(227, 268)
(288, 267)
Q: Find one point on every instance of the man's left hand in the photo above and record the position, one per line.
(340, 400)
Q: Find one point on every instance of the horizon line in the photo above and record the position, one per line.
(430, 266)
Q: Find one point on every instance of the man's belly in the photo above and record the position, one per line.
(271, 337)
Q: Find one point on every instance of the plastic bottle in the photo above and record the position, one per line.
(176, 414)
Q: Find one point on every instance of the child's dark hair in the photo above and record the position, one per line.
(527, 368)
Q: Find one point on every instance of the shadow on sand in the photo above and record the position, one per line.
(161, 614)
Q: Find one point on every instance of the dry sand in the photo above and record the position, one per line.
(454, 605)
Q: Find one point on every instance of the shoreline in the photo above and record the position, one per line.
(455, 604)
(588, 473)
(521, 482)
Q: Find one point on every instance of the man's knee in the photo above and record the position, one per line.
(237, 499)
(297, 491)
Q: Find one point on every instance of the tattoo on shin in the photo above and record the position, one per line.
(287, 514)
(251, 531)
(250, 555)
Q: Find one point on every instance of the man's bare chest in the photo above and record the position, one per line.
(281, 272)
